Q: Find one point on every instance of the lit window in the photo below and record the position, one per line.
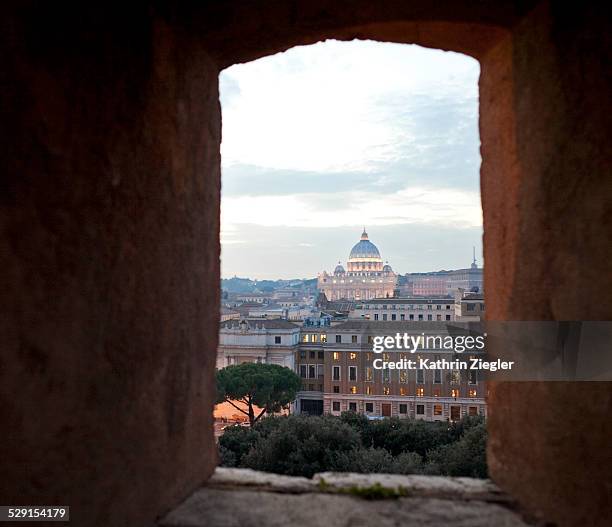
(368, 390)
(305, 337)
(472, 393)
(454, 392)
(420, 392)
(314, 338)
(323, 337)
(352, 356)
(437, 410)
(386, 390)
(402, 391)
(353, 389)
(403, 376)
(336, 355)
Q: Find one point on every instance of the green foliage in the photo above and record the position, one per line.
(268, 386)
(410, 435)
(300, 446)
(465, 457)
(238, 440)
(304, 445)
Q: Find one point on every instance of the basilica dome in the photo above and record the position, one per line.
(364, 249)
(339, 269)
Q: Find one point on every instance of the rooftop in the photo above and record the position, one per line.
(254, 323)
(418, 300)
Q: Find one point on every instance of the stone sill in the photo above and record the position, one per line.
(243, 498)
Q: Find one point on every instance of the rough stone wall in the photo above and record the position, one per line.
(110, 261)
(110, 220)
(547, 199)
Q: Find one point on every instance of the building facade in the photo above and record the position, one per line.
(365, 277)
(405, 309)
(337, 370)
(443, 283)
(258, 340)
(336, 365)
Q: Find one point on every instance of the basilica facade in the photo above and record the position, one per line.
(365, 276)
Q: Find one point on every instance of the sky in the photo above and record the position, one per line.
(323, 140)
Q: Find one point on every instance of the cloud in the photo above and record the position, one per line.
(336, 135)
(416, 205)
(276, 252)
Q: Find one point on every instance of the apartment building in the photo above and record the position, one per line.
(469, 307)
(338, 375)
(271, 341)
(405, 309)
(336, 364)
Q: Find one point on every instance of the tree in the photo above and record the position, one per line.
(302, 445)
(465, 457)
(267, 386)
(299, 445)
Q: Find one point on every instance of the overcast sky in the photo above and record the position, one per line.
(323, 140)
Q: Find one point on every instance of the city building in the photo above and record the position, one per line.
(338, 375)
(365, 277)
(469, 307)
(442, 283)
(258, 340)
(400, 309)
(228, 314)
(336, 364)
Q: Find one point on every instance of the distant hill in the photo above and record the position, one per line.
(246, 285)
